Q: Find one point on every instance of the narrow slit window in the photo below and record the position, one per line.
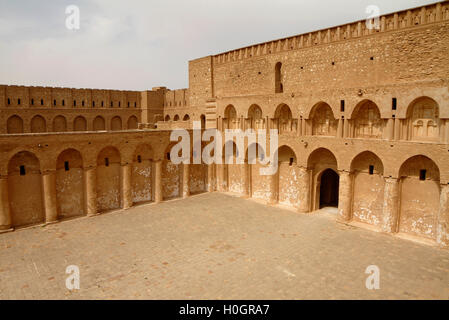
(93, 103)
(112, 104)
(106, 162)
(342, 105)
(371, 170)
(394, 104)
(119, 104)
(82, 103)
(22, 170)
(128, 104)
(74, 103)
(32, 102)
(168, 155)
(135, 104)
(422, 175)
(9, 101)
(66, 166)
(54, 102)
(18, 102)
(63, 103)
(139, 159)
(291, 162)
(42, 102)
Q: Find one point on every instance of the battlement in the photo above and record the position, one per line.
(405, 19)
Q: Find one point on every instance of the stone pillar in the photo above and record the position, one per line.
(346, 128)
(304, 190)
(303, 127)
(345, 197)
(90, 180)
(127, 187)
(49, 187)
(246, 170)
(5, 212)
(221, 183)
(185, 180)
(390, 129)
(391, 209)
(340, 128)
(443, 217)
(397, 129)
(210, 178)
(274, 190)
(446, 129)
(438, 12)
(158, 181)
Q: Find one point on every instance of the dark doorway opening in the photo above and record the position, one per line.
(329, 185)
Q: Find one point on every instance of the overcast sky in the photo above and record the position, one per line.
(140, 44)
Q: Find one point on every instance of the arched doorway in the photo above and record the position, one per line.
(108, 179)
(142, 173)
(70, 184)
(329, 186)
(25, 190)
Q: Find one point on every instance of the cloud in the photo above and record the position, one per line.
(141, 44)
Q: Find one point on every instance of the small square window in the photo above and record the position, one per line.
(422, 174)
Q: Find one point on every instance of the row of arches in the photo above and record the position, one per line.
(185, 118)
(320, 185)
(26, 187)
(38, 124)
(422, 122)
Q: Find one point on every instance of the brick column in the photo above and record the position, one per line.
(158, 181)
(390, 213)
(390, 129)
(345, 128)
(185, 180)
(5, 213)
(274, 190)
(246, 169)
(127, 187)
(340, 128)
(304, 190)
(345, 197)
(50, 204)
(210, 178)
(90, 181)
(397, 129)
(443, 217)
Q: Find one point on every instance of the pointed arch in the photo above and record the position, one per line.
(14, 124)
(59, 124)
(70, 183)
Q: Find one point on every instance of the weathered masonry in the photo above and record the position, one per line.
(363, 118)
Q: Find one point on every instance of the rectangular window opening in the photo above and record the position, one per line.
(139, 159)
(63, 102)
(32, 102)
(371, 170)
(106, 162)
(22, 170)
(291, 162)
(168, 155)
(422, 175)
(66, 166)
(342, 105)
(42, 102)
(9, 101)
(74, 103)
(18, 102)
(394, 104)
